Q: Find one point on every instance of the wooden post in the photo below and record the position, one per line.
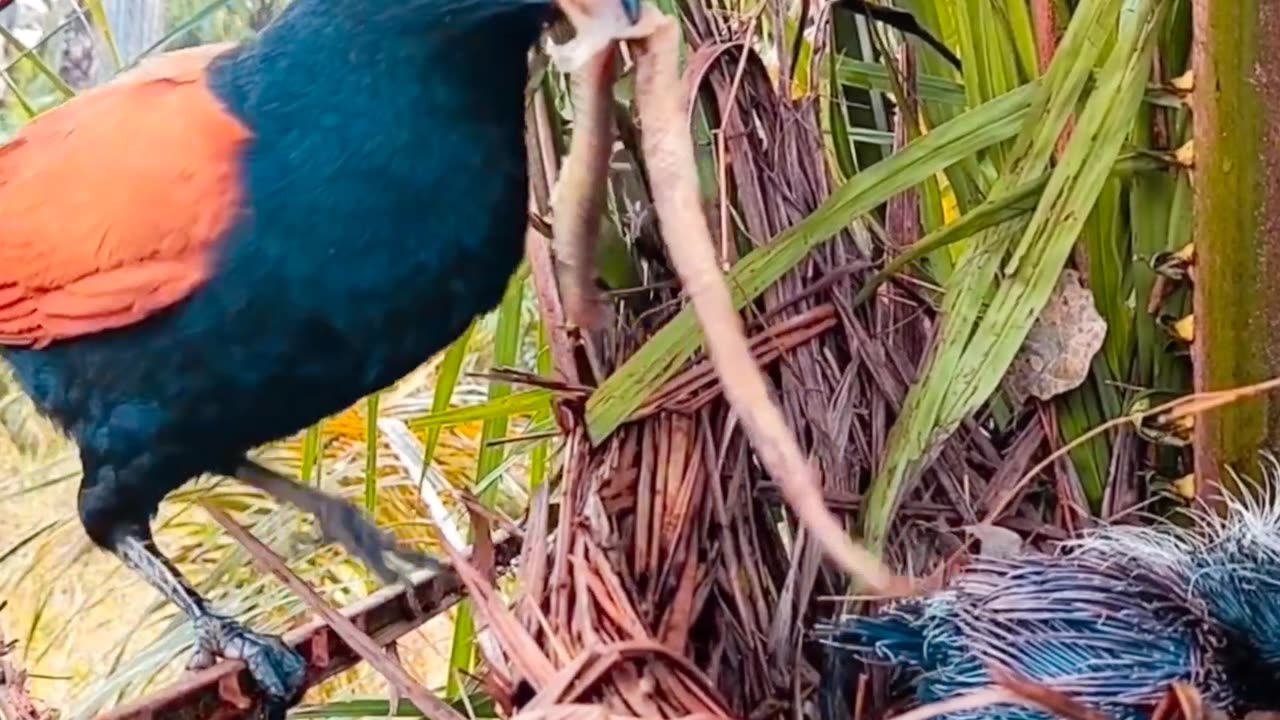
(1236, 58)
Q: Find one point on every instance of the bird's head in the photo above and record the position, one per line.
(471, 15)
(612, 12)
(1234, 567)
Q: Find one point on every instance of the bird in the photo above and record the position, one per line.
(229, 242)
(1112, 619)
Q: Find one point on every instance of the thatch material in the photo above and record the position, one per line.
(665, 578)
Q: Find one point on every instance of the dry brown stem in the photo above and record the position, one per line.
(578, 199)
(15, 701)
(665, 534)
(668, 152)
(376, 656)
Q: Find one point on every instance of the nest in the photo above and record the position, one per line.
(665, 578)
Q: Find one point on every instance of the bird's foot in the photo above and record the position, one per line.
(279, 671)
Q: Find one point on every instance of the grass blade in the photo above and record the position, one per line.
(662, 356)
(981, 331)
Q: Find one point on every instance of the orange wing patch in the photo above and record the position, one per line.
(111, 203)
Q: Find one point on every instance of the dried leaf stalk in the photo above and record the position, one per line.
(668, 150)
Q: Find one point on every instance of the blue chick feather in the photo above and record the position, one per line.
(1112, 620)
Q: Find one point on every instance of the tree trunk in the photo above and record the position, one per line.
(1237, 228)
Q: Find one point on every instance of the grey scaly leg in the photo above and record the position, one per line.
(277, 669)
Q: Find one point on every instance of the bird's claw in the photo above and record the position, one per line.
(346, 525)
(279, 671)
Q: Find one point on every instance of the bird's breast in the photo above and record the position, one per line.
(375, 219)
(323, 299)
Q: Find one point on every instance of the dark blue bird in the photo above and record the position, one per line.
(229, 243)
(1112, 620)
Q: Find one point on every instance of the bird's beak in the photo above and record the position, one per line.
(597, 25)
(632, 9)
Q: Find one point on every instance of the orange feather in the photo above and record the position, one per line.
(111, 203)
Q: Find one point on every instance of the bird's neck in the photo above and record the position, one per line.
(453, 50)
(413, 27)
(418, 17)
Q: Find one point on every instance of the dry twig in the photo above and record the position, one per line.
(15, 700)
(369, 650)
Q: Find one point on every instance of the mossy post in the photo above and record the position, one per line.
(1236, 59)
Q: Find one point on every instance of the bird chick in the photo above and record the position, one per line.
(1112, 619)
(229, 243)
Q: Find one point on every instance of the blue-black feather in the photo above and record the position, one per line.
(1112, 619)
(1113, 637)
(385, 208)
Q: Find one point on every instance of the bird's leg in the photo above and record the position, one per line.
(115, 502)
(278, 670)
(340, 522)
